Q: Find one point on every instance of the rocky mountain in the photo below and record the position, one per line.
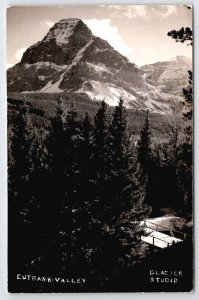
(70, 59)
(169, 76)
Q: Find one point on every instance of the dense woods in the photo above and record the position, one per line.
(78, 189)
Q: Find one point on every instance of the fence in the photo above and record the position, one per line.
(157, 226)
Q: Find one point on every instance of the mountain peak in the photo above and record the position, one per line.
(60, 44)
(71, 60)
(69, 20)
(184, 60)
(63, 29)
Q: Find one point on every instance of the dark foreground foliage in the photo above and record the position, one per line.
(77, 190)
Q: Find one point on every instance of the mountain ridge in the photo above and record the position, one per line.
(169, 76)
(71, 59)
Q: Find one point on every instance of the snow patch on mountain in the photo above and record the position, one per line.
(99, 67)
(41, 77)
(108, 92)
(52, 88)
(101, 50)
(80, 52)
(45, 64)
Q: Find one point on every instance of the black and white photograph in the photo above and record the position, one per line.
(100, 148)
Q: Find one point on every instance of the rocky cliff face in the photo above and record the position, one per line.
(71, 59)
(169, 76)
(60, 45)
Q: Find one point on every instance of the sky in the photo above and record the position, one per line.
(139, 32)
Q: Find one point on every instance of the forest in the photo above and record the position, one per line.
(78, 190)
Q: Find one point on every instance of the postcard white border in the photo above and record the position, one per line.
(4, 295)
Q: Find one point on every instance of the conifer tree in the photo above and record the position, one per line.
(184, 165)
(72, 146)
(101, 159)
(19, 187)
(72, 202)
(54, 185)
(100, 136)
(87, 170)
(121, 162)
(144, 146)
(85, 234)
(56, 160)
(124, 206)
(128, 183)
(19, 165)
(39, 183)
(184, 168)
(187, 114)
(56, 140)
(182, 35)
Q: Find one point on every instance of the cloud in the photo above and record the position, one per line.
(143, 11)
(136, 11)
(9, 66)
(103, 29)
(164, 11)
(19, 53)
(47, 23)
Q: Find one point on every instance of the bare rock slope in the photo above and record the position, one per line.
(70, 59)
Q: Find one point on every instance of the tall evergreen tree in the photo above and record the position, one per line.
(19, 187)
(85, 233)
(128, 184)
(188, 107)
(144, 146)
(54, 185)
(56, 140)
(56, 161)
(184, 168)
(101, 159)
(124, 203)
(72, 202)
(19, 165)
(121, 163)
(38, 204)
(87, 171)
(73, 140)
